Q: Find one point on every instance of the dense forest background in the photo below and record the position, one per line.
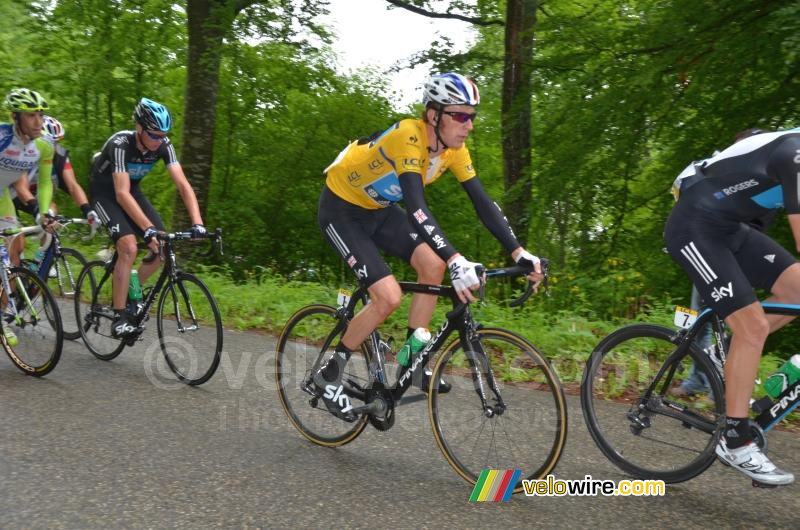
(621, 96)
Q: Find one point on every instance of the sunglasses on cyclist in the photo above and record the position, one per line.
(461, 117)
(154, 136)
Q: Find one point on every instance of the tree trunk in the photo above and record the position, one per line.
(516, 113)
(207, 22)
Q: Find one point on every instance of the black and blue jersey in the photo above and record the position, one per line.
(121, 155)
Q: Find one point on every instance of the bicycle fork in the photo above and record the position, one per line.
(479, 361)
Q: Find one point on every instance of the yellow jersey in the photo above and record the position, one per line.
(366, 171)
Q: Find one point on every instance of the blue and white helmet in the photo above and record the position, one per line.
(152, 116)
(450, 89)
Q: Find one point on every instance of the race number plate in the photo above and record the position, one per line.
(685, 317)
(343, 297)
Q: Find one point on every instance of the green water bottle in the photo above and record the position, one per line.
(135, 288)
(786, 376)
(414, 344)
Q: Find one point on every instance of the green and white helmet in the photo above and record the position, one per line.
(25, 100)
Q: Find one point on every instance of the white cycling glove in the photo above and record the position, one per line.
(525, 258)
(463, 273)
(93, 218)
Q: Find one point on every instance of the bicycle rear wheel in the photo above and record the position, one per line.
(310, 331)
(94, 311)
(63, 285)
(189, 329)
(670, 436)
(36, 323)
(528, 427)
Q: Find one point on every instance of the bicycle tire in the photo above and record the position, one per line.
(621, 367)
(183, 297)
(94, 311)
(298, 347)
(533, 424)
(36, 324)
(68, 266)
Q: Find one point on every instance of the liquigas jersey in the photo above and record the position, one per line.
(366, 172)
(18, 158)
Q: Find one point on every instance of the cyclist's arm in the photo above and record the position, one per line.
(784, 163)
(491, 215)
(187, 193)
(23, 189)
(75, 190)
(421, 218)
(44, 192)
(122, 192)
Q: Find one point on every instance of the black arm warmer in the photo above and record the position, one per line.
(490, 214)
(420, 216)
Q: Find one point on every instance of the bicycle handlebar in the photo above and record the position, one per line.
(215, 237)
(517, 270)
(64, 221)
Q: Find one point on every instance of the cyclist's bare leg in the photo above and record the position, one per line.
(126, 250)
(147, 269)
(430, 269)
(785, 291)
(385, 295)
(750, 328)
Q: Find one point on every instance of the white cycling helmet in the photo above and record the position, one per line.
(450, 89)
(52, 128)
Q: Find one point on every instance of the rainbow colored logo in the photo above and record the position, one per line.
(494, 485)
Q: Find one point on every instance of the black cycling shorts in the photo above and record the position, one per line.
(725, 259)
(117, 221)
(357, 233)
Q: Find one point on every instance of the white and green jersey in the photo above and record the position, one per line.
(18, 158)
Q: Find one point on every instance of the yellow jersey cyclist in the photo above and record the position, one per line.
(117, 171)
(359, 215)
(21, 150)
(24, 191)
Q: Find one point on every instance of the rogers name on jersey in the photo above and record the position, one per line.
(739, 187)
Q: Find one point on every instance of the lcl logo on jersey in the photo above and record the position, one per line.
(722, 292)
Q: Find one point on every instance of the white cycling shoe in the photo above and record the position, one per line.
(750, 460)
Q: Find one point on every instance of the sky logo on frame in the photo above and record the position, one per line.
(494, 485)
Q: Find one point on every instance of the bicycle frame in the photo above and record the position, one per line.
(458, 320)
(770, 413)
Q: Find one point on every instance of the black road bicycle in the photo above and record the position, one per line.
(59, 268)
(517, 420)
(640, 418)
(188, 320)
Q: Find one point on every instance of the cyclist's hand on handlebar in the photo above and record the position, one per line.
(464, 277)
(525, 258)
(151, 239)
(47, 221)
(198, 231)
(93, 218)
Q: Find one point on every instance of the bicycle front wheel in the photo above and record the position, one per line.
(523, 427)
(311, 334)
(94, 311)
(63, 280)
(31, 326)
(189, 329)
(669, 435)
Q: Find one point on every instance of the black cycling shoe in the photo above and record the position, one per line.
(122, 327)
(444, 386)
(328, 383)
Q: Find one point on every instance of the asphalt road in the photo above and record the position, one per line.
(114, 444)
